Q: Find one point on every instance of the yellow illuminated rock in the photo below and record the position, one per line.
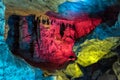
(73, 70)
(94, 49)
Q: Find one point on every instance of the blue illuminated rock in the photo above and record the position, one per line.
(73, 10)
(2, 9)
(11, 67)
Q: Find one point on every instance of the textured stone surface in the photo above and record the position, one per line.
(25, 7)
(96, 49)
(12, 67)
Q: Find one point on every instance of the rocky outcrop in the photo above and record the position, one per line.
(25, 7)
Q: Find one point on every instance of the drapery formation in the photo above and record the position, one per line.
(51, 46)
(47, 41)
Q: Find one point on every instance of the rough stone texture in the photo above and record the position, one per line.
(14, 68)
(11, 67)
(25, 7)
(38, 7)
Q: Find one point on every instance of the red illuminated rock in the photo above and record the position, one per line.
(49, 48)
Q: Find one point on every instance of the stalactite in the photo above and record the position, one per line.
(54, 43)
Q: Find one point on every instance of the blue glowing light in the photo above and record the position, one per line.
(73, 8)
